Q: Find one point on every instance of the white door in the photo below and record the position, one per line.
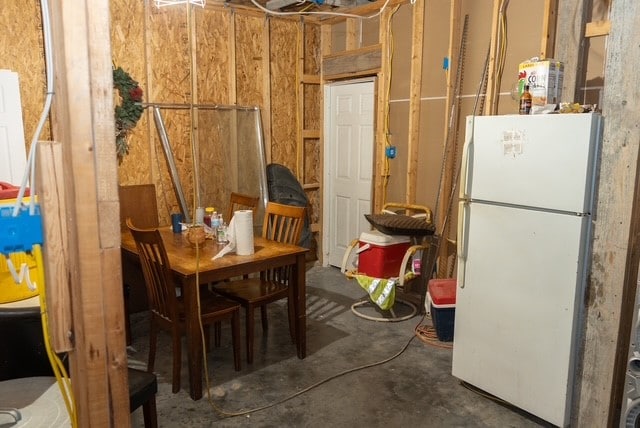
(348, 165)
(12, 145)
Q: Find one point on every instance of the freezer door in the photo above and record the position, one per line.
(516, 306)
(544, 161)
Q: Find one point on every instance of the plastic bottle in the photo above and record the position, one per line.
(221, 233)
(525, 101)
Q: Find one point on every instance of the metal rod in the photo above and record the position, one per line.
(168, 154)
(196, 106)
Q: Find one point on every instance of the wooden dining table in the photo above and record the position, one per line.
(193, 268)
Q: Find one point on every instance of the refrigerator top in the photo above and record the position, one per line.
(544, 162)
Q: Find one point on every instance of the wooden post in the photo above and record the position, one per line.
(612, 286)
(84, 124)
(572, 18)
(415, 91)
(549, 20)
(381, 169)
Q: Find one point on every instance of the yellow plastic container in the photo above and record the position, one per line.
(10, 291)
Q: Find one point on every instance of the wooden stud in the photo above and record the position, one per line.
(597, 28)
(52, 200)
(85, 126)
(612, 287)
(354, 28)
(549, 20)
(300, 40)
(415, 91)
(572, 18)
(265, 111)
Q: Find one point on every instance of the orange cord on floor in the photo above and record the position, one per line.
(427, 334)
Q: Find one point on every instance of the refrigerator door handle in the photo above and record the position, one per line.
(461, 242)
(464, 165)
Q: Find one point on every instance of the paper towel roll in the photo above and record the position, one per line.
(243, 220)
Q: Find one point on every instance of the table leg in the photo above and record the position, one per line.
(300, 306)
(194, 344)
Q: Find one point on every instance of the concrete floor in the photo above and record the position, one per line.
(415, 389)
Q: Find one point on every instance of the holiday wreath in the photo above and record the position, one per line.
(129, 111)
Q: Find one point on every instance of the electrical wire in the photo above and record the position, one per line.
(346, 15)
(226, 414)
(387, 166)
(30, 169)
(59, 371)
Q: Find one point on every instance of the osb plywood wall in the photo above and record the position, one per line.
(215, 56)
(21, 51)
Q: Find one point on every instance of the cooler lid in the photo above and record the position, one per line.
(378, 238)
(442, 292)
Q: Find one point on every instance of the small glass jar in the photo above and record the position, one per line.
(208, 214)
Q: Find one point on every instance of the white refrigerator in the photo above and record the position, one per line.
(524, 236)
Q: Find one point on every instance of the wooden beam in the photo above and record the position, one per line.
(358, 62)
(597, 28)
(354, 29)
(415, 92)
(572, 18)
(300, 40)
(381, 172)
(265, 112)
(51, 196)
(612, 290)
(85, 127)
(549, 21)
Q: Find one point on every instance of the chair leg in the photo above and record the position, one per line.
(249, 333)
(292, 321)
(235, 339)
(149, 413)
(153, 341)
(176, 338)
(217, 334)
(263, 316)
(207, 338)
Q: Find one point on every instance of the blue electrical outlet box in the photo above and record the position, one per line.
(391, 152)
(21, 232)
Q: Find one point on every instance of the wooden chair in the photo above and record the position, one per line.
(167, 310)
(137, 202)
(238, 201)
(282, 223)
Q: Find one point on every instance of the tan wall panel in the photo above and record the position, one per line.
(284, 84)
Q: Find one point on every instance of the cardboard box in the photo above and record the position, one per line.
(544, 78)
(380, 255)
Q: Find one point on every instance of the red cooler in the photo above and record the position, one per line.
(441, 295)
(380, 255)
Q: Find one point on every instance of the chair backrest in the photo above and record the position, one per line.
(282, 223)
(238, 201)
(161, 291)
(138, 202)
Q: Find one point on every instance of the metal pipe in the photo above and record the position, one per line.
(175, 178)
